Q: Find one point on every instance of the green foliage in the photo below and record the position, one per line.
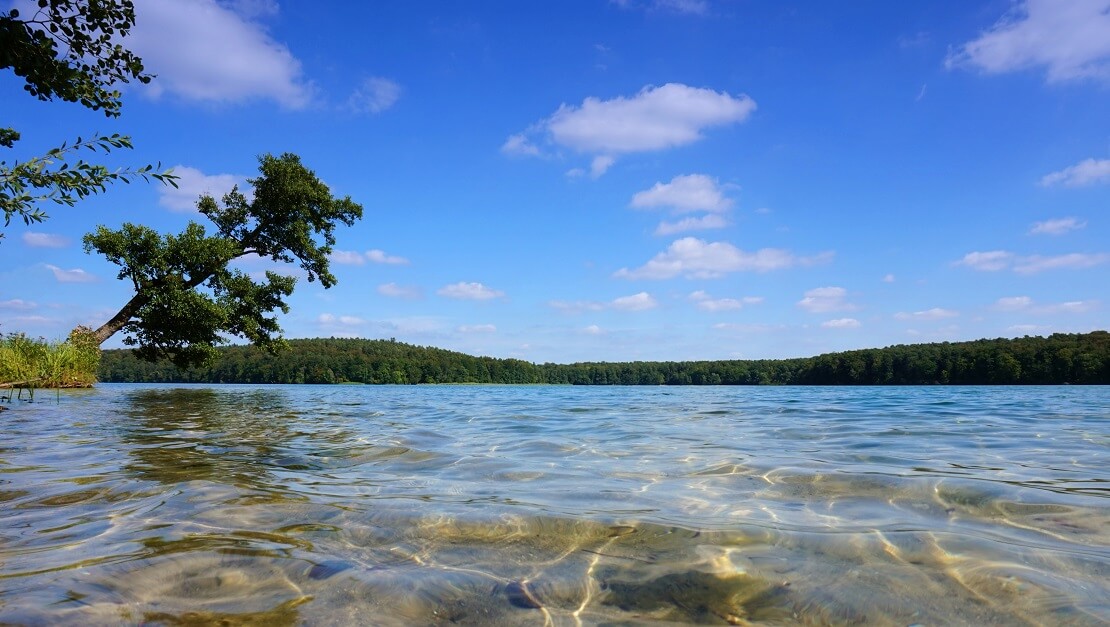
(68, 50)
(1060, 358)
(72, 363)
(23, 185)
(188, 300)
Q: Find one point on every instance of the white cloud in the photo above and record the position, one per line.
(341, 326)
(469, 291)
(577, 306)
(1072, 261)
(637, 302)
(192, 184)
(656, 118)
(18, 304)
(600, 165)
(826, 299)
(204, 50)
(393, 290)
(519, 145)
(374, 95)
(1086, 172)
(987, 261)
(76, 275)
(593, 329)
(695, 258)
(888, 278)
(379, 256)
(352, 258)
(477, 328)
(1072, 307)
(347, 257)
(1024, 303)
(44, 240)
(936, 313)
(841, 323)
(708, 303)
(1071, 40)
(685, 193)
(1013, 303)
(1057, 227)
(704, 223)
(748, 328)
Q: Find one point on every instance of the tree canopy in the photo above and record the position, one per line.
(68, 49)
(188, 299)
(1059, 358)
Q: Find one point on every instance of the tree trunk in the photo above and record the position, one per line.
(117, 322)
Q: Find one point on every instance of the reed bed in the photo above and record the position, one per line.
(40, 363)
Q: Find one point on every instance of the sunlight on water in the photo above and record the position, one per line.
(556, 505)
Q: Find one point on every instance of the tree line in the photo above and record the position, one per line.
(1057, 359)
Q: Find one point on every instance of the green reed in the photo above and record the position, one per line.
(68, 364)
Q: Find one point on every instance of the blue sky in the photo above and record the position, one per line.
(633, 180)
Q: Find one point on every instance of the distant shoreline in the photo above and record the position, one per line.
(1059, 359)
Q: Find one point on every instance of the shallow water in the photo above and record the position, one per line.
(556, 505)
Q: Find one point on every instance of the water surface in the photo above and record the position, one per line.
(556, 505)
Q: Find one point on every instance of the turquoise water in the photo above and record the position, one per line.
(556, 505)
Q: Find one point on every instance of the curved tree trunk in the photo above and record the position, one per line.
(117, 322)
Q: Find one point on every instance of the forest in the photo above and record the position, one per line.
(1062, 358)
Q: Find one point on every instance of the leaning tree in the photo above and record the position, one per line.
(188, 299)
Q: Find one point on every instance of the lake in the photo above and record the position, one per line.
(504, 505)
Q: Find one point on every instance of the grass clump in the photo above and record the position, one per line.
(68, 364)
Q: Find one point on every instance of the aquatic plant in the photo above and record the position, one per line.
(68, 364)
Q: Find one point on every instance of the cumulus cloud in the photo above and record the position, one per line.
(207, 51)
(641, 301)
(379, 256)
(654, 119)
(44, 240)
(76, 275)
(469, 291)
(600, 165)
(352, 258)
(519, 145)
(331, 319)
(684, 193)
(695, 258)
(192, 184)
(477, 328)
(18, 304)
(1086, 172)
(704, 223)
(1071, 307)
(990, 261)
(393, 290)
(1013, 303)
(826, 299)
(841, 323)
(1072, 261)
(706, 302)
(593, 329)
(374, 95)
(1070, 40)
(936, 313)
(1058, 226)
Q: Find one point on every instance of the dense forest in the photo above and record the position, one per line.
(1057, 359)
